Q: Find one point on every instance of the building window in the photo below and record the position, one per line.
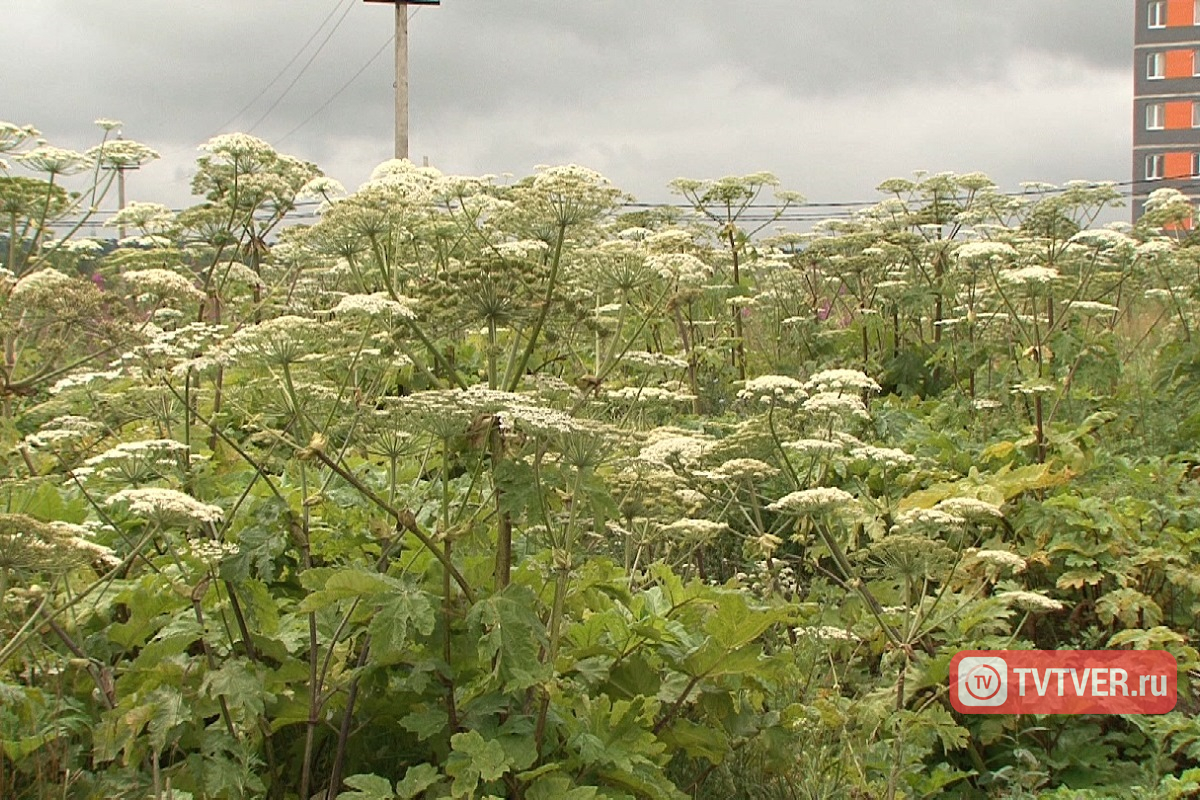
(1154, 167)
(1155, 116)
(1195, 164)
(1156, 66)
(1195, 114)
(1196, 12)
(1158, 13)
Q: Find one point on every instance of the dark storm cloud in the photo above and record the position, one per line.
(833, 97)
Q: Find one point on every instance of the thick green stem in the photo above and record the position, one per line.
(405, 519)
(514, 378)
(739, 347)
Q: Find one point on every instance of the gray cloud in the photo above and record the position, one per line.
(832, 97)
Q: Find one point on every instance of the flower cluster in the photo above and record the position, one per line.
(982, 252)
(702, 530)
(1030, 275)
(162, 283)
(1001, 559)
(1029, 601)
(166, 506)
(61, 431)
(280, 340)
(40, 287)
(379, 304)
(969, 509)
(836, 404)
(845, 380)
(773, 390)
(928, 519)
(654, 360)
(889, 457)
(683, 268)
(129, 459)
(28, 544)
(810, 501)
(669, 448)
(743, 469)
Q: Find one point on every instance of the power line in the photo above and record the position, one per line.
(805, 212)
(346, 85)
(284, 70)
(307, 64)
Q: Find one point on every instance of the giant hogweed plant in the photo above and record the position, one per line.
(450, 495)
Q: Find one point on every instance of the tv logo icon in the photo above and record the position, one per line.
(982, 681)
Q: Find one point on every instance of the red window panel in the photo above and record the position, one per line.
(1180, 63)
(1177, 165)
(1179, 115)
(1180, 13)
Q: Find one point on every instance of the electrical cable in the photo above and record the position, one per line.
(282, 71)
(307, 64)
(345, 85)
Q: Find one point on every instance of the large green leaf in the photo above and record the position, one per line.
(511, 638)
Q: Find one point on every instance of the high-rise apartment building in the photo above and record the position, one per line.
(1166, 99)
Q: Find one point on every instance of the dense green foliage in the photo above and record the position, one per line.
(474, 489)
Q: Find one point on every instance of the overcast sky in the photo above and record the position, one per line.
(832, 97)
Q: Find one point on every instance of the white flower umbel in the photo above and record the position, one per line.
(166, 505)
(38, 287)
(210, 552)
(1035, 386)
(1156, 247)
(981, 253)
(1030, 276)
(746, 469)
(61, 431)
(122, 154)
(1104, 239)
(826, 633)
(889, 457)
(845, 380)
(698, 529)
(641, 358)
(280, 340)
(82, 247)
(162, 283)
(836, 404)
(1092, 307)
(684, 268)
(811, 501)
(30, 544)
(773, 390)
(379, 304)
(671, 450)
(928, 519)
(147, 217)
(649, 394)
(129, 458)
(523, 249)
(84, 379)
(1029, 601)
(1002, 559)
(814, 447)
(53, 160)
(970, 509)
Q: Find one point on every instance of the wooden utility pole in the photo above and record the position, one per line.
(402, 68)
(401, 80)
(120, 192)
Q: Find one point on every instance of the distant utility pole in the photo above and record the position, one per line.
(120, 170)
(402, 68)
